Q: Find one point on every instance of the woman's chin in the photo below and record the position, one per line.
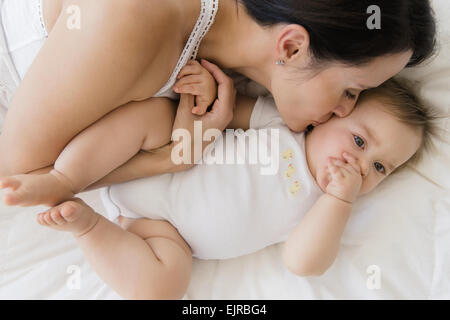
(296, 126)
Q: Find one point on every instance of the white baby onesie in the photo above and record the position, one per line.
(228, 210)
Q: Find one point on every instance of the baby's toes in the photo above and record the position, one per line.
(69, 211)
(48, 218)
(40, 219)
(55, 215)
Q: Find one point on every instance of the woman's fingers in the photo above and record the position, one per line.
(222, 109)
(225, 83)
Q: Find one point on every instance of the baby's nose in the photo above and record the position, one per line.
(365, 168)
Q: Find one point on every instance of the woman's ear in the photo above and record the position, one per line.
(292, 43)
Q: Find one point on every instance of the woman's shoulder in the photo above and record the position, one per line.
(138, 26)
(138, 15)
(142, 13)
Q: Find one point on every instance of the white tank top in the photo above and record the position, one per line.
(205, 20)
(31, 10)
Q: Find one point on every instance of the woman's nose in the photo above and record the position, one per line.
(344, 108)
(325, 117)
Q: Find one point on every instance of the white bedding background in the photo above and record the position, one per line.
(396, 244)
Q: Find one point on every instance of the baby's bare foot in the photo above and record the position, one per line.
(31, 190)
(74, 216)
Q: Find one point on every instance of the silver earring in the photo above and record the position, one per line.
(280, 63)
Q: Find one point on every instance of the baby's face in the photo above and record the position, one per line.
(378, 141)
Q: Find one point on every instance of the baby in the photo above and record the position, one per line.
(217, 211)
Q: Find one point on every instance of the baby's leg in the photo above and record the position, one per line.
(149, 261)
(95, 152)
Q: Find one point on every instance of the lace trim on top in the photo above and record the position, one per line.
(204, 22)
(41, 18)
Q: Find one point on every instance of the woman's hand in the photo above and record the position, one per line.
(220, 115)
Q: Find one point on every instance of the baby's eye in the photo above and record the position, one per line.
(379, 167)
(359, 142)
(350, 95)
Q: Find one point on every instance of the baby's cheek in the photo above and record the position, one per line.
(369, 184)
(335, 144)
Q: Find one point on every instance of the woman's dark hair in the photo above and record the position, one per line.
(339, 32)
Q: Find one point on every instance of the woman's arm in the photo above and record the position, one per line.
(79, 75)
(146, 164)
(242, 113)
(159, 161)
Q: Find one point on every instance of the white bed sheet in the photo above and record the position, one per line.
(402, 230)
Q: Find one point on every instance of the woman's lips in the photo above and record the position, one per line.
(317, 123)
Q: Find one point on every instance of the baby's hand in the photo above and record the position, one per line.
(345, 178)
(196, 80)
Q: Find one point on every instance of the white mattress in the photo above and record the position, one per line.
(402, 231)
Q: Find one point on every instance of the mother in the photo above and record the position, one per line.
(314, 56)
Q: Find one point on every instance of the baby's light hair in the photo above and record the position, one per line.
(398, 99)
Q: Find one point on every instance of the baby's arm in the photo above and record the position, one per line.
(123, 133)
(312, 246)
(115, 139)
(96, 151)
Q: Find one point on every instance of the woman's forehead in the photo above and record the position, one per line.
(374, 72)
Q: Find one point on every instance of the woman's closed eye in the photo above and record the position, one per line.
(350, 95)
